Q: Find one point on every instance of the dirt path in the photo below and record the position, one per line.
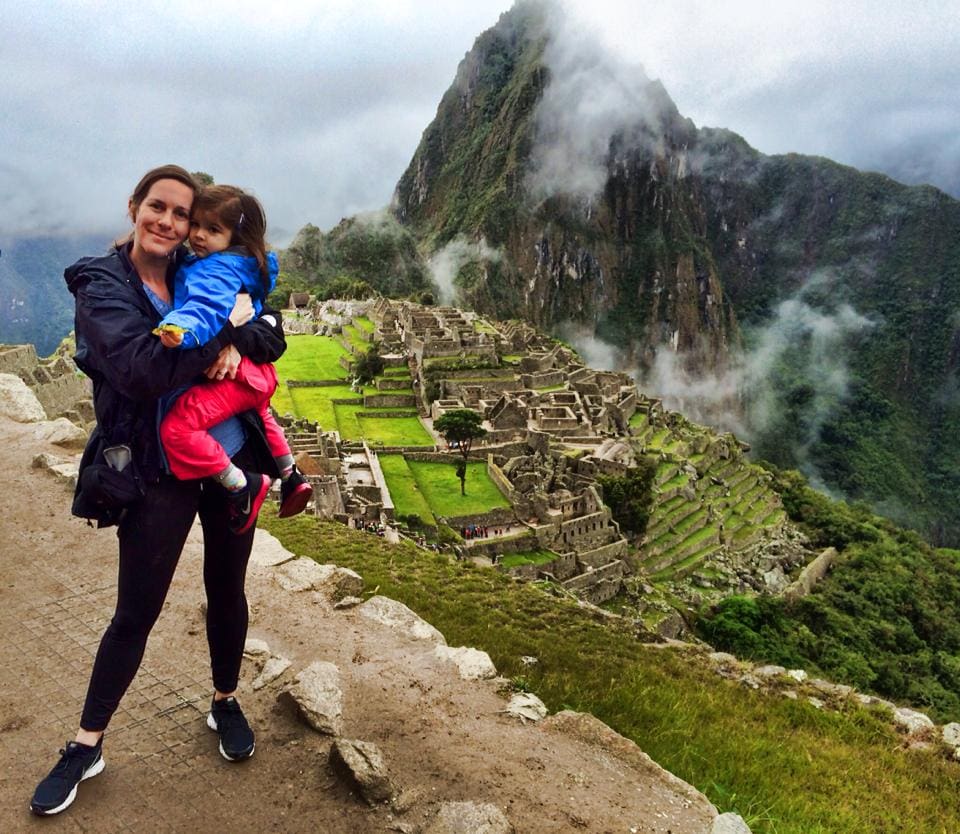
(443, 739)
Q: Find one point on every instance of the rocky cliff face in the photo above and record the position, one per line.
(823, 301)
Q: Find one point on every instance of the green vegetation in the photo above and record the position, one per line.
(425, 489)
(785, 766)
(630, 496)
(437, 482)
(359, 257)
(312, 358)
(356, 422)
(883, 620)
(527, 557)
(369, 365)
(408, 500)
(460, 428)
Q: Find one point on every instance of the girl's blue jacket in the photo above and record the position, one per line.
(205, 290)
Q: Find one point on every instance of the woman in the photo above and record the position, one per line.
(120, 298)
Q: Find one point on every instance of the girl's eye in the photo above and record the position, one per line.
(194, 224)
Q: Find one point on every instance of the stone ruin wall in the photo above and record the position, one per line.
(61, 388)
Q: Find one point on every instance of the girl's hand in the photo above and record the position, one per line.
(225, 365)
(242, 311)
(169, 339)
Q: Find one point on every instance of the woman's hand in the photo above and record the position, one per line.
(226, 364)
(242, 311)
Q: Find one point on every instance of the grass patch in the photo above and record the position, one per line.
(785, 766)
(528, 557)
(441, 487)
(354, 336)
(355, 422)
(311, 357)
(394, 431)
(317, 403)
(363, 323)
(406, 495)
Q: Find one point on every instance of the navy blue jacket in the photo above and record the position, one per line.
(129, 367)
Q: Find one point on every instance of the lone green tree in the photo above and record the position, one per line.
(369, 366)
(630, 496)
(461, 426)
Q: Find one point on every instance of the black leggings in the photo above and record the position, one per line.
(151, 539)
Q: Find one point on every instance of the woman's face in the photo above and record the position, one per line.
(161, 222)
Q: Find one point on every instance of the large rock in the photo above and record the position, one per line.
(526, 706)
(469, 818)
(316, 694)
(472, 664)
(397, 616)
(951, 734)
(61, 432)
(361, 764)
(272, 670)
(911, 720)
(333, 582)
(18, 402)
(267, 551)
(729, 824)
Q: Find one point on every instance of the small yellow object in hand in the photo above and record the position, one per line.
(171, 335)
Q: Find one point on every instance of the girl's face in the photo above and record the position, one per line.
(162, 220)
(208, 234)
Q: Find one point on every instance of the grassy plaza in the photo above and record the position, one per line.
(431, 489)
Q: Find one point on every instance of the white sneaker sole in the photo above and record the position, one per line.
(93, 771)
(212, 724)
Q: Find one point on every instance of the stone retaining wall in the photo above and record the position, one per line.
(389, 401)
(500, 517)
(603, 555)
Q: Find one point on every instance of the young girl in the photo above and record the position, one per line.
(227, 229)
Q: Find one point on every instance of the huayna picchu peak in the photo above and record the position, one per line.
(810, 306)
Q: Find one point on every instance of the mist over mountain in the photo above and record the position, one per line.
(35, 306)
(813, 308)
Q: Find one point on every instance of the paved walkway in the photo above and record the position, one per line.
(163, 774)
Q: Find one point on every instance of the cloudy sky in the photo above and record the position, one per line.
(318, 106)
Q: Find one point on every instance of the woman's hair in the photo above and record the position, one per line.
(164, 172)
(243, 215)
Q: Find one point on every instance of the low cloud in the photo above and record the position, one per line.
(747, 398)
(445, 264)
(592, 96)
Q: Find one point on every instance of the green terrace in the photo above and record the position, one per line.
(334, 405)
(428, 489)
(527, 557)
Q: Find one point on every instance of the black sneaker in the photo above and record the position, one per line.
(58, 790)
(295, 492)
(245, 503)
(236, 737)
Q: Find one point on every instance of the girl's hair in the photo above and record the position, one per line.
(163, 172)
(243, 215)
